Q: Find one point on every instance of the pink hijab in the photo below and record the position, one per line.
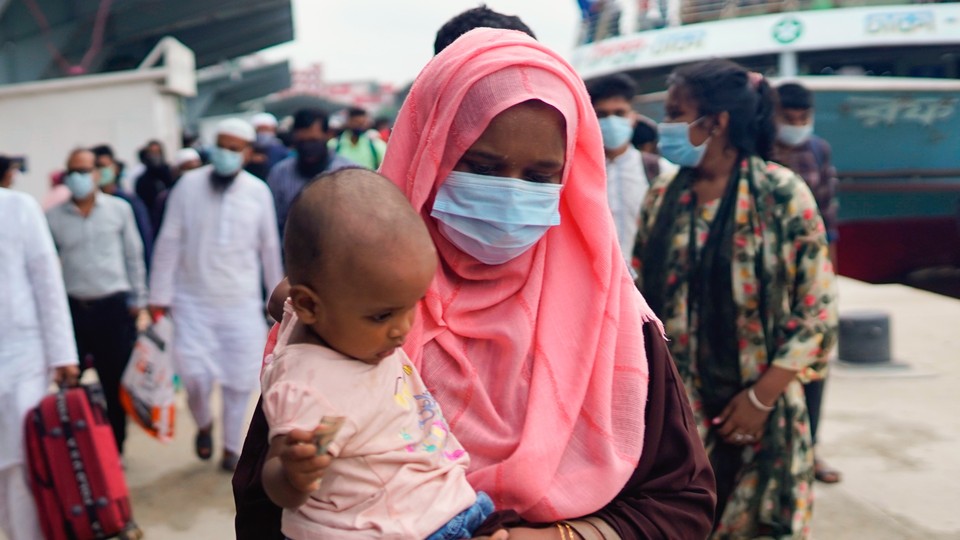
(538, 363)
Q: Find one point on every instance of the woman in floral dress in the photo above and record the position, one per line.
(733, 258)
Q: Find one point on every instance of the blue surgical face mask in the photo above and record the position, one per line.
(675, 144)
(616, 131)
(226, 162)
(107, 176)
(495, 219)
(80, 184)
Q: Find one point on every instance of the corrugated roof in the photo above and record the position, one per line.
(217, 30)
(226, 92)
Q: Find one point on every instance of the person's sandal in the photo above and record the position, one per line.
(204, 443)
(825, 473)
(229, 462)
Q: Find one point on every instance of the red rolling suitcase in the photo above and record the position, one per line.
(75, 472)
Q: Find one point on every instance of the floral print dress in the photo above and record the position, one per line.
(785, 307)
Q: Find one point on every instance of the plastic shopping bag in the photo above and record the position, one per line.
(147, 387)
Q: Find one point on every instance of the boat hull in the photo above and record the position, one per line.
(896, 147)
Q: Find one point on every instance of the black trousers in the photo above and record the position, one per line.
(105, 333)
(813, 391)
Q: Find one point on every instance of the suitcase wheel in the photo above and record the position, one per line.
(131, 532)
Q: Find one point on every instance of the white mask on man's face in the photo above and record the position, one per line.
(794, 135)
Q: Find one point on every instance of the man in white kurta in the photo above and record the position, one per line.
(217, 252)
(36, 342)
(626, 187)
(626, 179)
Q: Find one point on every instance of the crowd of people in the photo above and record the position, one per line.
(114, 247)
(625, 323)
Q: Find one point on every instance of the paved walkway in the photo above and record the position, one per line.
(895, 434)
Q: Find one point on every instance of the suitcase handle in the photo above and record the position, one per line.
(62, 385)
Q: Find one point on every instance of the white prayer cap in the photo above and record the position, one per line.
(238, 128)
(186, 154)
(264, 119)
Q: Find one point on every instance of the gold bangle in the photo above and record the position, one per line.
(566, 531)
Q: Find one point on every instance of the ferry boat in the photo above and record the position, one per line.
(886, 79)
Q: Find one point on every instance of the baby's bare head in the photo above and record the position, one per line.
(350, 226)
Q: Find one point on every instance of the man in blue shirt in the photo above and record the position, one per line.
(111, 171)
(311, 134)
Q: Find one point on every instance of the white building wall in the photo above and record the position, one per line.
(45, 123)
(45, 120)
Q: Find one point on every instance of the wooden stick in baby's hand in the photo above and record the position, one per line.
(326, 432)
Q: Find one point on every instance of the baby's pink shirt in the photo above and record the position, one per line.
(398, 471)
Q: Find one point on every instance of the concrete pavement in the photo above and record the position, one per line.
(894, 433)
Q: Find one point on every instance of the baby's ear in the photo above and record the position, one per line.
(306, 304)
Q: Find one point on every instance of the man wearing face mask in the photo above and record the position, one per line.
(356, 145)
(153, 181)
(810, 157)
(274, 150)
(218, 247)
(111, 172)
(311, 133)
(102, 255)
(626, 180)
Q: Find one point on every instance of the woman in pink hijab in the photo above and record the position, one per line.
(550, 367)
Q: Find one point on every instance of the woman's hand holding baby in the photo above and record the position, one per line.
(524, 533)
(293, 469)
(502, 534)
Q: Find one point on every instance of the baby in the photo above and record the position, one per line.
(358, 447)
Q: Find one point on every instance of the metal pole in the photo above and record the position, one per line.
(788, 64)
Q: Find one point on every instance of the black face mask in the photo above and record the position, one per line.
(260, 170)
(358, 132)
(312, 157)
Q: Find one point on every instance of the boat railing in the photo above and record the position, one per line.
(695, 11)
(949, 177)
(610, 20)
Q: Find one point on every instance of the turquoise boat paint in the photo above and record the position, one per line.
(896, 147)
(886, 79)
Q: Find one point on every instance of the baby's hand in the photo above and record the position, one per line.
(301, 464)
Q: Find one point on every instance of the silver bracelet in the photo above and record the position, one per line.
(755, 401)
